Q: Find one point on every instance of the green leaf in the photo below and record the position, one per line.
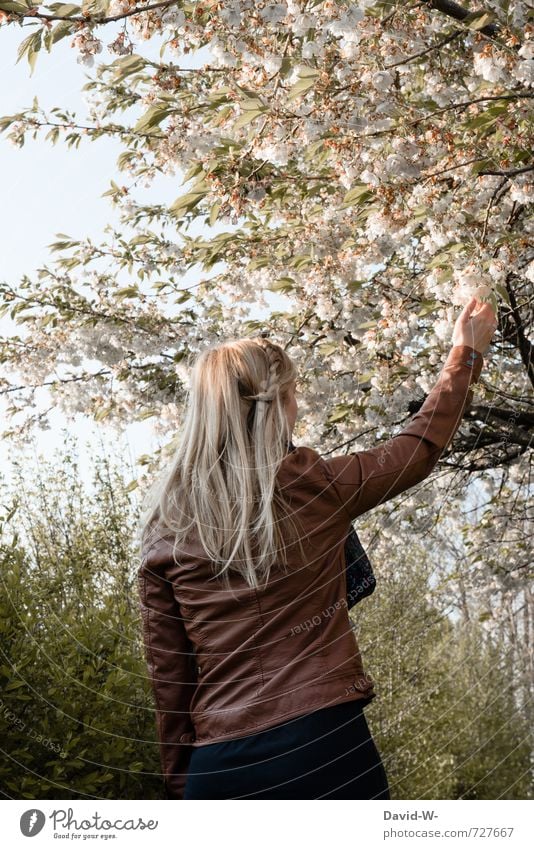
(247, 118)
(226, 143)
(503, 292)
(124, 158)
(187, 202)
(359, 194)
(24, 46)
(6, 121)
(258, 262)
(308, 71)
(152, 117)
(221, 115)
(299, 88)
(300, 261)
(477, 20)
(482, 165)
(214, 212)
(14, 685)
(34, 48)
(488, 117)
(246, 92)
(444, 274)
(283, 284)
(286, 66)
(95, 8)
(102, 413)
(62, 29)
(249, 327)
(419, 213)
(250, 108)
(183, 297)
(339, 413)
(328, 348)
(219, 95)
(126, 292)
(443, 256)
(146, 414)
(314, 149)
(427, 307)
(65, 242)
(195, 169)
(11, 6)
(62, 9)
(127, 65)
(304, 83)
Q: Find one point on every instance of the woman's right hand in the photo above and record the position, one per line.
(475, 326)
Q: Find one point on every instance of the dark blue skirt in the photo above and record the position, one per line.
(326, 754)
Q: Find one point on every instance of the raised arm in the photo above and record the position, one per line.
(364, 479)
(172, 671)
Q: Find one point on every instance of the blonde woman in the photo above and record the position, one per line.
(258, 681)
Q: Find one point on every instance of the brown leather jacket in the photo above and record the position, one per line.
(222, 667)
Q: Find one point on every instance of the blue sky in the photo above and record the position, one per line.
(48, 189)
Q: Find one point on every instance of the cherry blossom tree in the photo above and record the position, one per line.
(367, 164)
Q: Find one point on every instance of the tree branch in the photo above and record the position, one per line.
(507, 173)
(524, 344)
(506, 415)
(453, 10)
(87, 19)
(451, 37)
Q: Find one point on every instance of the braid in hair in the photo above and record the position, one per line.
(269, 387)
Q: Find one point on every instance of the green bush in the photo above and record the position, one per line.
(447, 720)
(76, 710)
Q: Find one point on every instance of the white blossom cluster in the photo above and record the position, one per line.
(88, 46)
(470, 283)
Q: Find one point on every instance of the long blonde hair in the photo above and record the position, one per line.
(221, 483)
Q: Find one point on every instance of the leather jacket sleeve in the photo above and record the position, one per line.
(364, 479)
(172, 671)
